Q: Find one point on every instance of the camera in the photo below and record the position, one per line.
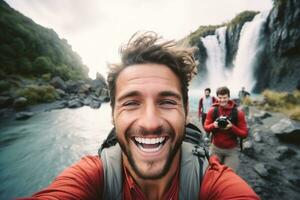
(222, 121)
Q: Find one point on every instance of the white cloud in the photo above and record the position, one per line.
(96, 28)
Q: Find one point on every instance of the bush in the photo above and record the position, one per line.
(38, 94)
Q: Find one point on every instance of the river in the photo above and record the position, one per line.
(34, 151)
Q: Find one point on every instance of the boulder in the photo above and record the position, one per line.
(60, 93)
(23, 115)
(262, 115)
(261, 170)
(284, 152)
(75, 103)
(84, 88)
(287, 131)
(20, 103)
(95, 104)
(257, 137)
(57, 82)
(248, 148)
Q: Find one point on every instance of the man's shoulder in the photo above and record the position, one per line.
(220, 182)
(89, 166)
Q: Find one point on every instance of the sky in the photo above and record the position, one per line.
(96, 28)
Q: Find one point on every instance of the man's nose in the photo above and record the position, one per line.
(150, 119)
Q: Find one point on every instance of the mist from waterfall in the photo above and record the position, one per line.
(241, 74)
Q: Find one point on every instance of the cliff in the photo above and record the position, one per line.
(280, 68)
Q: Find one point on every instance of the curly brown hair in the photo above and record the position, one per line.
(148, 47)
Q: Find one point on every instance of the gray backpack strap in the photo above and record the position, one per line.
(112, 167)
(193, 166)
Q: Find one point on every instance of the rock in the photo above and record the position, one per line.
(5, 101)
(23, 115)
(95, 104)
(84, 88)
(262, 115)
(295, 180)
(286, 131)
(261, 170)
(60, 93)
(87, 101)
(257, 137)
(104, 95)
(20, 103)
(57, 82)
(76, 103)
(284, 152)
(248, 148)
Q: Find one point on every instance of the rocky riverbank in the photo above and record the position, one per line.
(32, 96)
(270, 161)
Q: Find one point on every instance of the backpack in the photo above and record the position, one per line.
(233, 117)
(194, 161)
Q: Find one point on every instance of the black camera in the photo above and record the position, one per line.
(222, 121)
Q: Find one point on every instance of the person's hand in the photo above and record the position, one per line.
(216, 124)
(229, 125)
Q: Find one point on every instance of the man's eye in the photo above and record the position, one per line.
(130, 103)
(168, 102)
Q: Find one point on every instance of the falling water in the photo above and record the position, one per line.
(249, 49)
(248, 54)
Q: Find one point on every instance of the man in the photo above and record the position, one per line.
(243, 94)
(225, 134)
(149, 109)
(204, 104)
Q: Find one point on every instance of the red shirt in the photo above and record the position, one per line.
(84, 180)
(224, 138)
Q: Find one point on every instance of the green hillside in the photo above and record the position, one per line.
(30, 50)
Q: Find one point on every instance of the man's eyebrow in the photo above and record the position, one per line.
(170, 94)
(128, 94)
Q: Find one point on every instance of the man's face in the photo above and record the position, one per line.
(149, 118)
(223, 99)
(206, 93)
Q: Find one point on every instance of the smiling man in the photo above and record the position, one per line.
(149, 107)
(227, 124)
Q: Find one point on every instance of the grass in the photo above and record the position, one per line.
(287, 103)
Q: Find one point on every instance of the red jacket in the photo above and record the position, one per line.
(226, 139)
(84, 180)
(200, 105)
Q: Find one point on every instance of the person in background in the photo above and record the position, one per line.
(205, 103)
(243, 94)
(225, 128)
(149, 101)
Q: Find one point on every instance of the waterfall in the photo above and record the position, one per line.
(249, 48)
(248, 55)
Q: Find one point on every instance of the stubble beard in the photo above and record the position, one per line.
(168, 162)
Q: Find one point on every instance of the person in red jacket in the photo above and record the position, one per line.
(224, 142)
(149, 103)
(205, 103)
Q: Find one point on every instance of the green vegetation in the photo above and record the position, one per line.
(288, 103)
(37, 94)
(242, 18)
(203, 31)
(30, 50)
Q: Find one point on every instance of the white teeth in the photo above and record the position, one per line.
(149, 140)
(149, 150)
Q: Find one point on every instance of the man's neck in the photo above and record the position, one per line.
(157, 188)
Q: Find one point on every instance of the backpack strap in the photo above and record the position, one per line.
(192, 168)
(112, 167)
